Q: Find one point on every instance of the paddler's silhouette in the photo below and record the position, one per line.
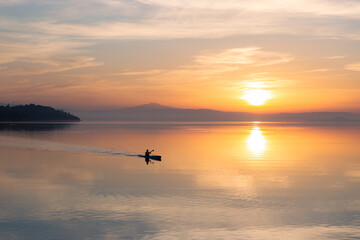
(147, 156)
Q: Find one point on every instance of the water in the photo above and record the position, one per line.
(216, 181)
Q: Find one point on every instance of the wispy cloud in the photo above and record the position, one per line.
(353, 67)
(10, 2)
(318, 70)
(51, 64)
(28, 54)
(262, 80)
(227, 69)
(238, 56)
(209, 64)
(159, 19)
(323, 7)
(136, 73)
(336, 57)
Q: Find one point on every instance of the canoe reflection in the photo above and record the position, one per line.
(151, 158)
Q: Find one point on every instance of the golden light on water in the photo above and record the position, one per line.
(257, 97)
(256, 142)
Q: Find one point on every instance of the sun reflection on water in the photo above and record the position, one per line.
(256, 142)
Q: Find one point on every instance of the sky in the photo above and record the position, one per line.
(304, 55)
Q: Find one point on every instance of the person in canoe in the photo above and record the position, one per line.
(147, 156)
(147, 153)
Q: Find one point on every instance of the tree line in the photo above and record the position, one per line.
(32, 112)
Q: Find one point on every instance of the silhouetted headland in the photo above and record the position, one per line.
(32, 112)
(156, 112)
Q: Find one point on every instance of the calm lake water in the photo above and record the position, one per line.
(216, 181)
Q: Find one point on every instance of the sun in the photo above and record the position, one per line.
(257, 97)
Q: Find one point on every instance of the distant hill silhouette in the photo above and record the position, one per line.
(32, 112)
(149, 106)
(157, 112)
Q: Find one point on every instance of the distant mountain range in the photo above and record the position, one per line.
(32, 112)
(157, 112)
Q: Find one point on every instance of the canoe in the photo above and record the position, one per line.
(152, 157)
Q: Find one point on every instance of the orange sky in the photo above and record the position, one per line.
(190, 54)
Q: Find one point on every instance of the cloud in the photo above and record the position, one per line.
(159, 19)
(194, 25)
(17, 46)
(28, 54)
(228, 60)
(233, 59)
(336, 57)
(353, 67)
(215, 65)
(10, 2)
(349, 8)
(135, 73)
(239, 56)
(262, 80)
(318, 70)
(51, 64)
